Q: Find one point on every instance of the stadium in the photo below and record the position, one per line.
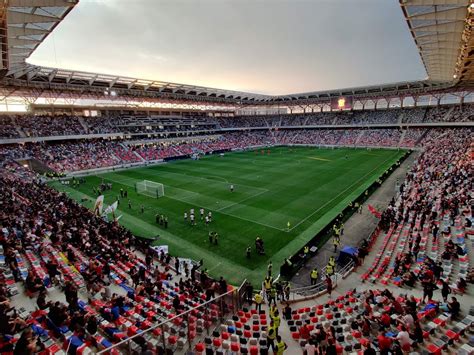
(149, 217)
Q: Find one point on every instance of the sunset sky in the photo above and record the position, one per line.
(261, 46)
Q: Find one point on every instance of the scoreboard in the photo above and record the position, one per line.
(341, 103)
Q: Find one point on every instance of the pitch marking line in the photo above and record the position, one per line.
(316, 158)
(207, 179)
(328, 202)
(239, 202)
(207, 207)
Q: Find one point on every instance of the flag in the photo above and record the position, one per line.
(111, 208)
(99, 203)
(374, 211)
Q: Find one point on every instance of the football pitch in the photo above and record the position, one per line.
(304, 186)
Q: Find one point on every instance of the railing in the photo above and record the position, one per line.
(132, 343)
(313, 290)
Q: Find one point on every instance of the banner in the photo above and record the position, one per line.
(374, 211)
(99, 203)
(111, 208)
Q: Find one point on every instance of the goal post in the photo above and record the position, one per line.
(150, 188)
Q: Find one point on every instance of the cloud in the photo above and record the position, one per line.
(268, 46)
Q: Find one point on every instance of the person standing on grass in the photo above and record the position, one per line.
(129, 204)
(201, 211)
(166, 222)
(248, 252)
(191, 217)
(185, 216)
(142, 209)
(232, 188)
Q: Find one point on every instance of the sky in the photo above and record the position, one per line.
(261, 46)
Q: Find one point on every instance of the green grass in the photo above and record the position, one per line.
(307, 187)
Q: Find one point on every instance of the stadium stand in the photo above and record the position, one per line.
(111, 292)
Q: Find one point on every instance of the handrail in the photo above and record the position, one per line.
(153, 327)
(321, 285)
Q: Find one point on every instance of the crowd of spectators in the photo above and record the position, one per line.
(89, 154)
(431, 204)
(380, 137)
(412, 136)
(8, 127)
(42, 126)
(38, 225)
(245, 121)
(414, 115)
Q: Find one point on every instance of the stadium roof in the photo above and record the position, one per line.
(442, 31)
(440, 28)
(27, 24)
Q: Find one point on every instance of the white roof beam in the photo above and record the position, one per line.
(14, 17)
(43, 3)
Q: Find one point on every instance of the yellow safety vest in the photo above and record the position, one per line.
(329, 269)
(267, 284)
(276, 321)
(280, 347)
(314, 274)
(271, 333)
(272, 311)
(258, 299)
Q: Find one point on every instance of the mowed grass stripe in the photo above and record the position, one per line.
(304, 191)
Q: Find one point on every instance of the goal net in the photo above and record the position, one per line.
(150, 188)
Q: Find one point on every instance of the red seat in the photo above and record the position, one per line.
(452, 335)
(253, 350)
(199, 347)
(217, 342)
(225, 335)
(235, 347)
(434, 349)
(406, 347)
(356, 334)
(172, 339)
(295, 335)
